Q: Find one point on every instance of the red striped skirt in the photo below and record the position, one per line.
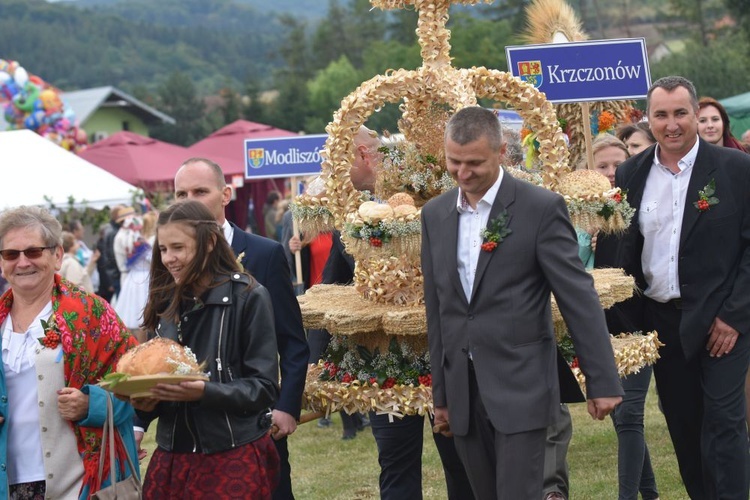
(250, 471)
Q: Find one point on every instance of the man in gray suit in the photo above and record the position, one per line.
(492, 251)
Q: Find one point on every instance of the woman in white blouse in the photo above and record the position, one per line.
(57, 342)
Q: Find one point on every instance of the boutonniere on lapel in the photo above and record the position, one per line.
(495, 232)
(52, 337)
(706, 198)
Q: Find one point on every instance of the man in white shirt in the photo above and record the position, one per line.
(689, 249)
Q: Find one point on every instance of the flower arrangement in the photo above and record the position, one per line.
(603, 122)
(495, 232)
(393, 227)
(312, 214)
(405, 169)
(706, 198)
(346, 362)
(609, 213)
(52, 335)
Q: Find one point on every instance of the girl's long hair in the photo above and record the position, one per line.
(213, 262)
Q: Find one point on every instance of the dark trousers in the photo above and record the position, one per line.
(634, 469)
(704, 406)
(400, 457)
(500, 466)
(556, 446)
(284, 490)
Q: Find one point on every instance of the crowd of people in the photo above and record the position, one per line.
(188, 274)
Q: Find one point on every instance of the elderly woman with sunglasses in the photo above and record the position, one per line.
(57, 342)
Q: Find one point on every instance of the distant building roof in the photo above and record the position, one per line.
(85, 102)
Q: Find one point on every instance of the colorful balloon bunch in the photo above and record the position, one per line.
(28, 102)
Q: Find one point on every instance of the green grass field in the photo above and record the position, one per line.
(325, 467)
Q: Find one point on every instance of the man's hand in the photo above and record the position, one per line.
(283, 423)
(721, 339)
(138, 440)
(295, 245)
(601, 407)
(442, 421)
(72, 404)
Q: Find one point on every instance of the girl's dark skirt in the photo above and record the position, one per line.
(250, 471)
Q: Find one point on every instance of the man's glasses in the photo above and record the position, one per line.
(30, 253)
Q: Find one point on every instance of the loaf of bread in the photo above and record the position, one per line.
(159, 356)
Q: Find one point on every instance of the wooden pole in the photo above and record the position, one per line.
(295, 232)
(586, 112)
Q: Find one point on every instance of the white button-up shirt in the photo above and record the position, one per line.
(660, 223)
(471, 223)
(228, 231)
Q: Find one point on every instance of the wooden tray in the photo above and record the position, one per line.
(140, 386)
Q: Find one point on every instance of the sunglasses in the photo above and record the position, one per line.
(30, 253)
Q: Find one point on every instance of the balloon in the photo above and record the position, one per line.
(27, 101)
(27, 97)
(21, 76)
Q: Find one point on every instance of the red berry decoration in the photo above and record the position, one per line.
(51, 340)
(703, 205)
(347, 378)
(425, 380)
(373, 381)
(389, 382)
(574, 363)
(489, 246)
(376, 242)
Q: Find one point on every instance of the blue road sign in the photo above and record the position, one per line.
(594, 70)
(283, 156)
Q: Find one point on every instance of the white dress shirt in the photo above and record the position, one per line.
(660, 223)
(471, 223)
(228, 231)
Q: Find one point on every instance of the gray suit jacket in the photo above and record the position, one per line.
(507, 324)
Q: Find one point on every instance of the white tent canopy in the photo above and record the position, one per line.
(32, 168)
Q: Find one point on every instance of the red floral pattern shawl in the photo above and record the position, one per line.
(93, 339)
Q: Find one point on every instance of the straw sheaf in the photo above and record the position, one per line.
(632, 352)
(329, 397)
(398, 401)
(612, 285)
(312, 215)
(395, 280)
(409, 246)
(583, 184)
(524, 175)
(343, 311)
(544, 18)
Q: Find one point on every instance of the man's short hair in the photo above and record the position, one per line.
(669, 83)
(471, 123)
(218, 172)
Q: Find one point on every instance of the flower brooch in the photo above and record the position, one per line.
(52, 336)
(495, 232)
(706, 198)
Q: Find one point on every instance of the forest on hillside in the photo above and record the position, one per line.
(173, 53)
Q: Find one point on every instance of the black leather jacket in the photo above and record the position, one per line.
(234, 333)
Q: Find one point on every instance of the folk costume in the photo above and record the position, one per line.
(85, 335)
